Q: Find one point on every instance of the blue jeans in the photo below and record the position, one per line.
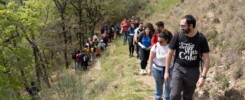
(124, 37)
(159, 80)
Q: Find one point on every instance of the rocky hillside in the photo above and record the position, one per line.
(222, 22)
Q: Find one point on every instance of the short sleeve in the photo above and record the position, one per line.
(153, 49)
(173, 42)
(204, 45)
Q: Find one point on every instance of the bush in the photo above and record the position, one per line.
(238, 73)
(211, 34)
(225, 83)
(241, 45)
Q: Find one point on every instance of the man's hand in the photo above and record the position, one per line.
(200, 82)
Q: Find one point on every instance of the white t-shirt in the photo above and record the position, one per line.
(161, 53)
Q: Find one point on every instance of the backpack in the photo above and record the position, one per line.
(84, 57)
(74, 55)
(199, 49)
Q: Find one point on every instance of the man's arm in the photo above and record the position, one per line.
(206, 62)
(167, 63)
(204, 72)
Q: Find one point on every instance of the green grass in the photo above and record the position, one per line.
(160, 7)
(119, 70)
(115, 81)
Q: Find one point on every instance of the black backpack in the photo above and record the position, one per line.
(74, 55)
(84, 57)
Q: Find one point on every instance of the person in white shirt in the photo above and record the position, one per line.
(137, 33)
(156, 65)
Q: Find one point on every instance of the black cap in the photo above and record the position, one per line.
(160, 23)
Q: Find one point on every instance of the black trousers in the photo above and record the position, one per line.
(131, 44)
(144, 56)
(137, 48)
(184, 80)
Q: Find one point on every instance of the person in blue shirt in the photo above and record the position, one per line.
(131, 40)
(145, 45)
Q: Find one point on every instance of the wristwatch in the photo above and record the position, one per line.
(204, 77)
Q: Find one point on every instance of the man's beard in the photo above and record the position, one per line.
(186, 31)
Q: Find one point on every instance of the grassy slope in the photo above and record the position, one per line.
(113, 77)
(117, 78)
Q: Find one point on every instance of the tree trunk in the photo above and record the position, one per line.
(65, 39)
(37, 66)
(44, 69)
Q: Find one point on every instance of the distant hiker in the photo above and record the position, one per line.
(95, 37)
(124, 26)
(137, 33)
(160, 28)
(137, 22)
(95, 44)
(78, 61)
(99, 50)
(131, 40)
(117, 28)
(33, 91)
(106, 26)
(145, 46)
(104, 37)
(103, 45)
(91, 48)
(84, 58)
(156, 65)
(191, 47)
(74, 53)
(111, 33)
(132, 19)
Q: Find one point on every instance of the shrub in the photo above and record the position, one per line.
(241, 45)
(225, 83)
(238, 73)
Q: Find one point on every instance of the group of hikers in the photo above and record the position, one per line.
(94, 46)
(173, 60)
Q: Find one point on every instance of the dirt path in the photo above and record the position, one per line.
(147, 81)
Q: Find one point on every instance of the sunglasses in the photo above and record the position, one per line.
(183, 26)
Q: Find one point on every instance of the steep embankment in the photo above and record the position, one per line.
(222, 22)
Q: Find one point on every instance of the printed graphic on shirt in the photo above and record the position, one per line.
(187, 51)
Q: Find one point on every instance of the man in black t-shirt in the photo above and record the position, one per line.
(190, 48)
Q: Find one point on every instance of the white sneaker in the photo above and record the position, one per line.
(141, 72)
(144, 71)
